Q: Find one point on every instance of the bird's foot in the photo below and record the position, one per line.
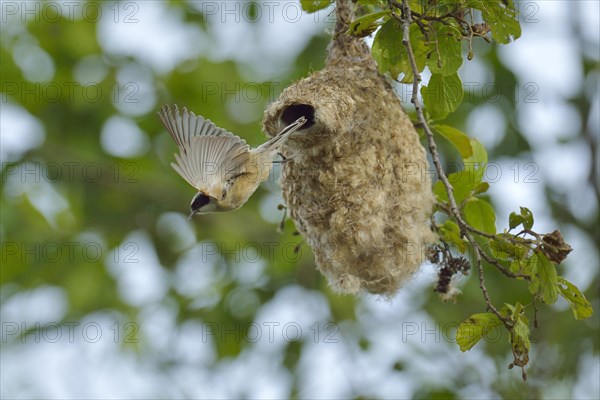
(283, 160)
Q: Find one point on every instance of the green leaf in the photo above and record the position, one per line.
(514, 220)
(439, 190)
(442, 95)
(390, 53)
(504, 249)
(370, 3)
(450, 232)
(458, 139)
(581, 307)
(477, 163)
(544, 280)
(419, 48)
(521, 332)
(468, 181)
(530, 267)
(527, 216)
(311, 6)
(501, 16)
(534, 285)
(481, 188)
(388, 49)
(479, 153)
(474, 328)
(463, 183)
(519, 340)
(480, 215)
(446, 57)
(548, 280)
(366, 24)
(510, 311)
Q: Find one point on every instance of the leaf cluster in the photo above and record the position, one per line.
(524, 255)
(412, 36)
(436, 37)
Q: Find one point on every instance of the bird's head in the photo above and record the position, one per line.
(202, 204)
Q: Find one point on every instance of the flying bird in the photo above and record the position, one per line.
(218, 164)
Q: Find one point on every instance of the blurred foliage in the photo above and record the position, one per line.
(142, 194)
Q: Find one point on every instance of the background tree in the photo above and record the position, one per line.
(107, 285)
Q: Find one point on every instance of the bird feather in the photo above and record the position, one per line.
(208, 155)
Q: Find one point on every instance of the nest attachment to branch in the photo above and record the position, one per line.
(356, 183)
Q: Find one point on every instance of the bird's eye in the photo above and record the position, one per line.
(295, 111)
(200, 200)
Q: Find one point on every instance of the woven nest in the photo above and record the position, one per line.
(356, 183)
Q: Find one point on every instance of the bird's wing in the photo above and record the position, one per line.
(211, 160)
(184, 126)
(207, 154)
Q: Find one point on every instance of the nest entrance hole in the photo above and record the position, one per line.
(293, 112)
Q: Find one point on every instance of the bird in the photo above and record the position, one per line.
(220, 165)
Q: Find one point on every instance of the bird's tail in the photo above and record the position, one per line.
(273, 144)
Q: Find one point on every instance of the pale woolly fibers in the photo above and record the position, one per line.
(356, 182)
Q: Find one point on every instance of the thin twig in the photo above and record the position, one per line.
(482, 286)
(441, 19)
(531, 233)
(421, 116)
(465, 229)
(480, 233)
(502, 269)
(466, 226)
(485, 256)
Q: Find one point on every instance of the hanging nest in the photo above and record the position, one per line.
(356, 182)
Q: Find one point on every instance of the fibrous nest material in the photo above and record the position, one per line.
(356, 182)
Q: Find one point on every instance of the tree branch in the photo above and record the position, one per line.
(407, 16)
(482, 286)
(465, 229)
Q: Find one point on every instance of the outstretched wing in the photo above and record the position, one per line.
(183, 126)
(208, 154)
